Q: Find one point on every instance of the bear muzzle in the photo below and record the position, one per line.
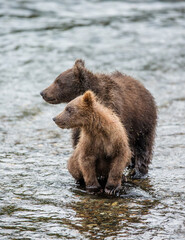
(48, 98)
(60, 123)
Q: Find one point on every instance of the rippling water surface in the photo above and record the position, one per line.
(38, 40)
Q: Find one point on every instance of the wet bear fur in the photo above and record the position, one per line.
(102, 150)
(127, 97)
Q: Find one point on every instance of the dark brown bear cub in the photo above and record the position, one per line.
(103, 148)
(127, 97)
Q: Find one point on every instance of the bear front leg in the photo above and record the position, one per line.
(74, 168)
(88, 168)
(113, 184)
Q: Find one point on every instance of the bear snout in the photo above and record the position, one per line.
(47, 98)
(61, 123)
(57, 121)
(42, 93)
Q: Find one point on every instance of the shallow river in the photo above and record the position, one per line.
(39, 39)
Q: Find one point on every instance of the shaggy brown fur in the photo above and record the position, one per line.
(103, 149)
(132, 102)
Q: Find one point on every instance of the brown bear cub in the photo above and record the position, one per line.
(103, 148)
(126, 96)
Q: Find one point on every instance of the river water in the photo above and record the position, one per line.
(38, 40)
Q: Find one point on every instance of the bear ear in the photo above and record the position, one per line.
(80, 63)
(79, 69)
(88, 98)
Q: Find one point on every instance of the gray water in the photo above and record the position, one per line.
(38, 40)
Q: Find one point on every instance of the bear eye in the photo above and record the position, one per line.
(58, 82)
(69, 109)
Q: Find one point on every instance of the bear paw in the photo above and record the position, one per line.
(80, 182)
(112, 190)
(136, 174)
(94, 189)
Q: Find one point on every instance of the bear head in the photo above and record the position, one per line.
(78, 112)
(67, 85)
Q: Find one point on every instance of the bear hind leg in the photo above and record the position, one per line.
(74, 169)
(142, 156)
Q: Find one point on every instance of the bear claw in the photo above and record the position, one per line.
(112, 190)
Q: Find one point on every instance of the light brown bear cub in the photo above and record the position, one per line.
(103, 148)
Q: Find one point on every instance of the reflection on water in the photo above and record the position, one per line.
(38, 40)
(100, 216)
